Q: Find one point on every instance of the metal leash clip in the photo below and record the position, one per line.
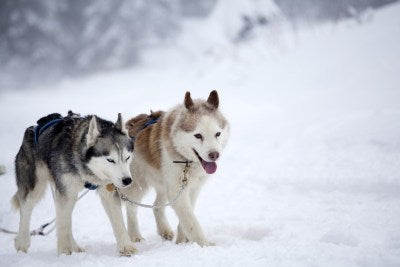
(184, 179)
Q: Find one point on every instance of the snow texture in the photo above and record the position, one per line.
(311, 173)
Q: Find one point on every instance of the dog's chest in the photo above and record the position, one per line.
(196, 176)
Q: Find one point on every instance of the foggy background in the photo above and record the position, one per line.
(43, 41)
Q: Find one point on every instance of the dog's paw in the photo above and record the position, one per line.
(206, 243)
(167, 234)
(22, 243)
(137, 239)
(77, 248)
(67, 250)
(127, 249)
(181, 238)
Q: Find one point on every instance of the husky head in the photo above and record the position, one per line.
(109, 151)
(202, 131)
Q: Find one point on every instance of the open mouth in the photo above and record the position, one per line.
(209, 167)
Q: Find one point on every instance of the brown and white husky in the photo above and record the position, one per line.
(194, 131)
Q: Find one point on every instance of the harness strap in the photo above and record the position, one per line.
(90, 186)
(150, 122)
(40, 130)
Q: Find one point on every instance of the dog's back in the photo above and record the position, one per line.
(138, 123)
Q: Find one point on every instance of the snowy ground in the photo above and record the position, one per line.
(311, 173)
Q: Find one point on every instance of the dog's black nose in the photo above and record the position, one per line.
(126, 181)
(213, 155)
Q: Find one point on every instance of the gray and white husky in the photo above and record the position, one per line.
(196, 132)
(72, 153)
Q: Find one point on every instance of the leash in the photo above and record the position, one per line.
(40, 231)
(89, 186)
(183, 184)
(184, 180)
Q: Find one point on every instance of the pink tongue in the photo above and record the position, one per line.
(209, 167)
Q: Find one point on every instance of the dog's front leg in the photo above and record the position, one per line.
(188, 221)
(64, 205)
(181, 237)
(112, 206)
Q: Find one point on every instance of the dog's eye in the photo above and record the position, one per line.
(198, 136)
(111, 160)
(127, 158)
(217, 134)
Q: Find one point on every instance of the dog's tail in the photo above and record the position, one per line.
(138, 123)
(15, 201)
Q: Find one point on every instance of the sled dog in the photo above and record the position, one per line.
(72, 153)
(195, 132)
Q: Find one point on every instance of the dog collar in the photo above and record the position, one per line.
(187, 162)
(90, 186)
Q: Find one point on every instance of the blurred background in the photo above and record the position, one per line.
(44, 41)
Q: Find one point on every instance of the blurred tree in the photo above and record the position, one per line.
(323, 10)
(44, 40)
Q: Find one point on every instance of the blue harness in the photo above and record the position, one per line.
(39, 130)
(149, 122)
(90, 186)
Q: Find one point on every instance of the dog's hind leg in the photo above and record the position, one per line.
(26, 205)
(163, 227)
(23, 239)
(31, 183)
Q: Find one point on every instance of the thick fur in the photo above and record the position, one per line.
(172, 138)
(69, 153)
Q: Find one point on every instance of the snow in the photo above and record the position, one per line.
(311, 173)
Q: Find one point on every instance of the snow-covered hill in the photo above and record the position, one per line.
(311, 173)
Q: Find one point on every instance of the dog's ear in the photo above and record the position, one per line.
(93, 132)
(188, 101)
(120, 125)
(213, 99)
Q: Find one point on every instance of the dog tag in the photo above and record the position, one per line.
(110, 187)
